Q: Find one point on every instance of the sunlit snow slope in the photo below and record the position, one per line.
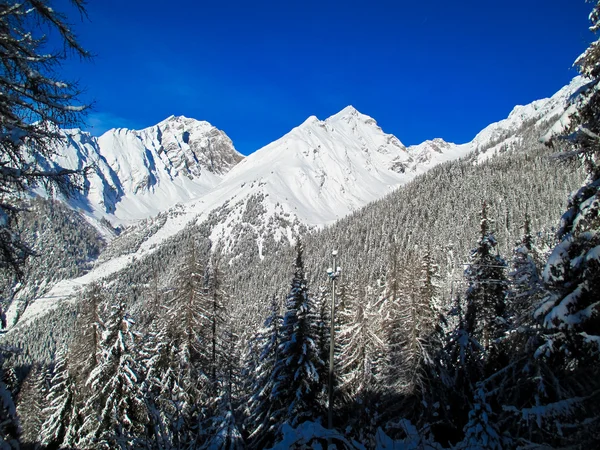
(139, 173)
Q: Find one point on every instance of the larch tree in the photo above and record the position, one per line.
(360, 359)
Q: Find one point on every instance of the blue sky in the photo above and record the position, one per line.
(256, 69)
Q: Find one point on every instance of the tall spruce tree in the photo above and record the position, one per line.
(262, 420)
(297, 386)
(570, 312)
(9, 423)
(525, 284)
(31, 404)
(486, 292)
(360, 360)
(59, 428)
(463, 359)
(115, 414)
(180, 368)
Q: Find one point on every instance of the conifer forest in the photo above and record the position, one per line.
(466, 301)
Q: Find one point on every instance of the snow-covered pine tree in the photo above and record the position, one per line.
(223, 433)
(361, 345)
(84, 350)
(59, 428)
(463, 359)
(400, 288)
(418, 320)
(572, 275)
(297, 386)
(176, 375)
(525, 284)
(323, 306)
(115, 414)
(167, 402)
(481, 431)
(35, 104)
(214, 301)
(261, 420)
(360, 359)
(9, 423)
(31, 404)
(430, 323)
(223, 430)
(486, 291)
(570, 312)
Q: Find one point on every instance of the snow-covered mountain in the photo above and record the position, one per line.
(140, 173)
(316, 174)
(319, 172)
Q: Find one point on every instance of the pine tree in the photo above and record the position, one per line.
(58, 429)
(480, 431)
(323, 327)
(115, 413)
(31, 402)
(463, 360)
(84, 350)
(525, 284)
(213, 307)
(297, 385)
(361, 346)
(9, 423)
(570, 312)
(169, 405)
(33, 106)
(360, 359)
(177, 360)
(223, 430)
(486, 291)
(261, 421)
(400, 289)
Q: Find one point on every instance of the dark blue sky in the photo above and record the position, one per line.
(255, 69)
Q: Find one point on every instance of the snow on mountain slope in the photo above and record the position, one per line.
(551, 113)
(317, 173)
(140, 173)
(323, 170)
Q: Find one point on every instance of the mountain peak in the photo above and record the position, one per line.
(179, 120)
(351, 114)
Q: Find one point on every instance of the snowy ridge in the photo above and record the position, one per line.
(549, 111)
